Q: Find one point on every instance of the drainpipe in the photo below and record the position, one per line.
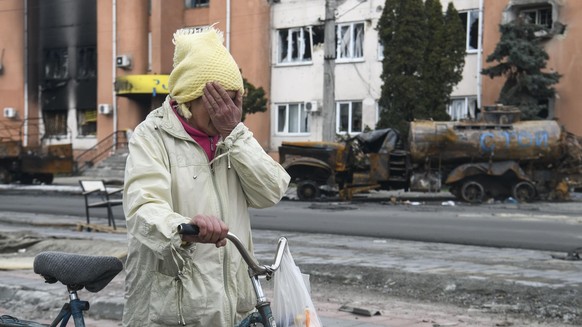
(228, 25)
(480, 56)
(114, 69)
(25, 131)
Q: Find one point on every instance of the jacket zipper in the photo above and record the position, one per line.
(225, 262)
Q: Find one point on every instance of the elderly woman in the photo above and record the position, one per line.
(193, 161)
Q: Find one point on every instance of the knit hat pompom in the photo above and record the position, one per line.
(200, 57)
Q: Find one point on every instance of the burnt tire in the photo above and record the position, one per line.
(307, 190)
(473, 192)
(523, 191)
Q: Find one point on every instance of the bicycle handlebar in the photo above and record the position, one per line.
(189, 229)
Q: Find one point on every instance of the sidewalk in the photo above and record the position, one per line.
(327, 258)
(355, 266)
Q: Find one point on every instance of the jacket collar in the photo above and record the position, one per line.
(170, 123)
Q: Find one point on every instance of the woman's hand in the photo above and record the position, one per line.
(212, 230)
(225, 109)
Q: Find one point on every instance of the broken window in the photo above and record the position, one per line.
(349, 117)
(196, 3)
(55, 122)
(292, 118)
(463, 108)
(470, 20)
(295, 45)
(350, 41)
(540, 16)
(87, 122)
(86, 63)
(56, 64)
(543, 13)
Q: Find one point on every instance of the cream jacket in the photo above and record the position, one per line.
(168, 180)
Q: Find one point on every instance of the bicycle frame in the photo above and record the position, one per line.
(264, 315)
(75, 309)
(76, 272)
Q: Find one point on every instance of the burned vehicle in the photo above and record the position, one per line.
(34, 160)
(496, 157)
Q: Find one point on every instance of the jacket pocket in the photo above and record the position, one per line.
(178, 298)
(246, 299)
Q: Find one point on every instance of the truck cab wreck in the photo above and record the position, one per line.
(35, 161)
(496, 157)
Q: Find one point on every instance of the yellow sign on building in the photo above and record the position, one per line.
(141, 84)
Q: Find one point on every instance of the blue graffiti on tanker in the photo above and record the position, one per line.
(525, 139)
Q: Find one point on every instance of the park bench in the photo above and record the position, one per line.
(97, 195)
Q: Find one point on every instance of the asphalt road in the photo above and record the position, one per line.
(539, 226)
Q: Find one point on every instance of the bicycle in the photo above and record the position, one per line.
(264, 314)
(76, 271)
(93, 273)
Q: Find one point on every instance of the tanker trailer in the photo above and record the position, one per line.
(485, 159)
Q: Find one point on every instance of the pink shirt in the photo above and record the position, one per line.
(208, 143)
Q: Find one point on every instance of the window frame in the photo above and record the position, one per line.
(306, 36)
(55, 123)
(86, 122)
(56, 64)
(338, 116)
(537, 11)
(351, 57)
(87, 63)
(468, 23)
(466, 107)
(302, 114)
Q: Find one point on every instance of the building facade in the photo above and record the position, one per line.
(563, 43)
(297, 71)
(80, 71)
(87, 69)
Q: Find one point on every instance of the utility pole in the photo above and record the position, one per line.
(328, 109)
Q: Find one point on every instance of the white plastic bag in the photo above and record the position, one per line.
(292, 305)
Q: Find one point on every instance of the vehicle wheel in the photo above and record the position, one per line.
(523, 191)
(307, 190)
(472, 192)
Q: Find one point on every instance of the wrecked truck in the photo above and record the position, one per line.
(496, 157)
(35, 161)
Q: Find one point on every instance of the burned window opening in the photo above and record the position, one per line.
(87, 122)
(56, 64)
(317, 35)
(539, 16)
(86, 63)
(544, 13)
(296, 44)
(55, 123)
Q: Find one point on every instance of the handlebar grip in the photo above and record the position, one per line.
(188, 229)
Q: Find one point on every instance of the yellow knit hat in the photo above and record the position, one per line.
(199, 58)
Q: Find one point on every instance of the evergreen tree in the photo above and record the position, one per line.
(445, 58)
(521, 59)
(402, 30)
(253, 100)
(424, 55)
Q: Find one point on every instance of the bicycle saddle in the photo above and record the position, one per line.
(76, 270)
